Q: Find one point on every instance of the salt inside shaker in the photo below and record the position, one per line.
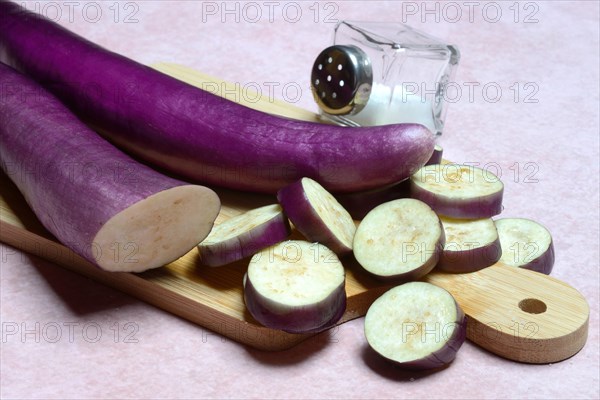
(379, 73)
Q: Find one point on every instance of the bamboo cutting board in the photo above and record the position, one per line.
(517, 314)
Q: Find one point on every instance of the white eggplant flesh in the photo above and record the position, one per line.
(416, 325)
(296, 286)
(244, 235)
(399, 240)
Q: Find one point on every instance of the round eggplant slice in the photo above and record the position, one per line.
(470, 245)
(400, 240)
(318, 215)
(244, 235)
(296, 286)
(458, 191)
(416, 325)
(526, 244)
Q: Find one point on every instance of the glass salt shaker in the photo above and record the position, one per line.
(379, 73)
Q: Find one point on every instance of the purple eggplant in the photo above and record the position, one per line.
(195, 133)
(118, 214)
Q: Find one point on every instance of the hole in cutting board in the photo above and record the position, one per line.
(533, 306)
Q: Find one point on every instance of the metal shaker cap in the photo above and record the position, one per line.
(341, 79)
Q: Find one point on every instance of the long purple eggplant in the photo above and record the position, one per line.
(115, 212)
(197, 134)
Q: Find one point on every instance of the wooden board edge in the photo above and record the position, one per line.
(518, 334)
(144, 289)
(527, 350)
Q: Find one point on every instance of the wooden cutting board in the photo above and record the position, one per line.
(517, 314)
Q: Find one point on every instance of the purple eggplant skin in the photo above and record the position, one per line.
(359, 204)
(234, 249)
(544, 263)
(482, 207)
(305, 319)
(447, 353)
(305, 218)
(470, 260)
(199, 135)
(74, 181)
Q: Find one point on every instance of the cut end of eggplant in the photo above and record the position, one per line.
(318, 215)
(416, 325)
(295, 286)
(458, 191)
(401, 239)
(526, 244)
(244, 235)
(157, 230)
(470, 245)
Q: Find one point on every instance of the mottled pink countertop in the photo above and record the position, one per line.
(129, 349)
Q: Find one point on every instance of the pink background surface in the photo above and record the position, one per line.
(172, 358)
